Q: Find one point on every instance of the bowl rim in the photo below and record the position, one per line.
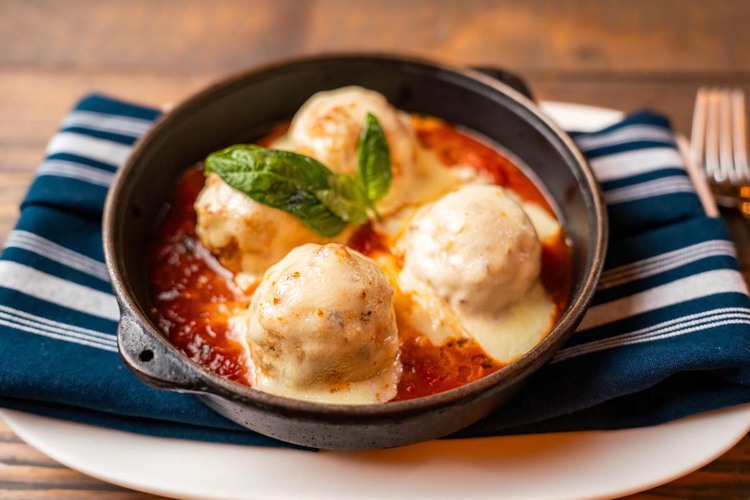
(216, 385)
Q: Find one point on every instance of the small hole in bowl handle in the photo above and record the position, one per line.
(153, 360)
(146, 355)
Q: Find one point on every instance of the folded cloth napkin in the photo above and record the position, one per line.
(668, 333)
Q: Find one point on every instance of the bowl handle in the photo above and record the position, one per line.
(155, 363)
(510, 79)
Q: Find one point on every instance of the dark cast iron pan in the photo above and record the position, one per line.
(243, 108)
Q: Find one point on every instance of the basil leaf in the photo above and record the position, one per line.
(374, 160)
(301, 169)
(323, 200)
(345, 198)
(280, 179)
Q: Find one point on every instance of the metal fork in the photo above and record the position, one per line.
(718, 143)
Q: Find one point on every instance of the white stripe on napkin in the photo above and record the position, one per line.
(656, 187)
(665, 262)
(667, 329)
(102, 150)
(51, 250)
(58, 291)
(44, 333)
(630, 163)
(72, 170)
(118, 124)
(682, 290)
(625, 135)
(104, 337)
(54, 329)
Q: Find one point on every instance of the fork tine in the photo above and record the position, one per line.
(726, 152)
(739, 136)
(698, 133)
(713, 165)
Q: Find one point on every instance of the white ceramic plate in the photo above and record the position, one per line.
(572, 465)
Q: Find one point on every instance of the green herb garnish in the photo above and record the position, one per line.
(325, 201)
(374, 160)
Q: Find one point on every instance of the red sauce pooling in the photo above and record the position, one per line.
(194, 297)
(429, 369)
(365, 240)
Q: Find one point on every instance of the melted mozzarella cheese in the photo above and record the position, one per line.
(504, 335)
(475, 247)
(322, 327)
(546, 226)
(246, 236)
(427, 313)
(433, 180)
(471, 268)
(515, 330)
(328, 128)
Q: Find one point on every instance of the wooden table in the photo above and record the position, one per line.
(626, 55)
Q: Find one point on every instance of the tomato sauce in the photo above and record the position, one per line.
(430, 369)
(194, 297)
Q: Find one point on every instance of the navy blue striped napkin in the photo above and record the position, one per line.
(668, 334)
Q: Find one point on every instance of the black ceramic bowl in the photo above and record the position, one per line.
(242, 108)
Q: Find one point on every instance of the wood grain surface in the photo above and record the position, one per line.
(626, 55)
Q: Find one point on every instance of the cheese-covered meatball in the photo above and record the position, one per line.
(322, 327)
(329, 125)
(475, 247)
(246, 236)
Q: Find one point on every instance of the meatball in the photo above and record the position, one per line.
(476, 249)
(328, 128)
(322, 327)
(246, 236)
